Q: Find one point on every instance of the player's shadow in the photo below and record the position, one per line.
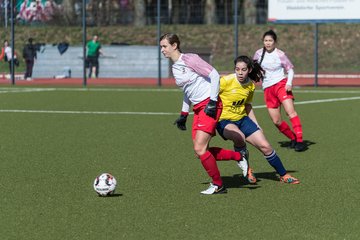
(269, 175)
(238, 181)
(286, 144)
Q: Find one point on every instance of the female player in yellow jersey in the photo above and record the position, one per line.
(238, 122)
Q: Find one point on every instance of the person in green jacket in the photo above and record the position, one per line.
(92, 58)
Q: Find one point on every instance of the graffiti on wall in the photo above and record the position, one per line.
(38, 10)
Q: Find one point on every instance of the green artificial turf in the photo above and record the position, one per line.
(55, 141)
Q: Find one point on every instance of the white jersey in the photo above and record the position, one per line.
(275, 64)
(198, 79)
(8, 52)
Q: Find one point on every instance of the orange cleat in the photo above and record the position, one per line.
(287, 178)
(251, 177)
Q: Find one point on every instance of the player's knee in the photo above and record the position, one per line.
(199, 150)
(292, 114)
(266, 149)
(277, 122)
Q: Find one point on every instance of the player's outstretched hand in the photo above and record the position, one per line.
(210, 109)
(181, 122)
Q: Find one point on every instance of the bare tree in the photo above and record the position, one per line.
(69, 11)
(210, 12)
(114, 11)
(101, 16)
(139, 13)
(175, 16)
(249, 11)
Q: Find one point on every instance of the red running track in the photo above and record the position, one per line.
(300, 80)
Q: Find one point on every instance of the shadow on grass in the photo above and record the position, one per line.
(286, 144)
(113, 195)
(238, 181)
(269, 175)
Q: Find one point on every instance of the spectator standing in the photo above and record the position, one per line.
(8, 56)
(29, 55)
(92, 58)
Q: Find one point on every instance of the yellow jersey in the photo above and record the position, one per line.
(234, 96)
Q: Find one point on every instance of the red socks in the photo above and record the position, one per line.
(296, 125)
(221, 154)
(209, 163)
(208, 160)
(285, 129)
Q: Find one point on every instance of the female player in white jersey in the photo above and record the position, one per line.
(238, 120)
(200, 84)
(277, 85)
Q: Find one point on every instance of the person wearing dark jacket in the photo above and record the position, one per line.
(29, 54)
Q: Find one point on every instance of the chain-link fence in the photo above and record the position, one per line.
(127, 30)
(133, 12)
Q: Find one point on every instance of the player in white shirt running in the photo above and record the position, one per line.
(200, 84)
(277, 85)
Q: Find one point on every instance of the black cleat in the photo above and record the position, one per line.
(292, 144)
(300, 146)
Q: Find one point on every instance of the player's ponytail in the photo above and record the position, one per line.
(262, 55)
(257, 73)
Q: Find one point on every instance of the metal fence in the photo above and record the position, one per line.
(133, 12)
(205, 26)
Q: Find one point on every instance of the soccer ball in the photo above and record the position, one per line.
(105, 184)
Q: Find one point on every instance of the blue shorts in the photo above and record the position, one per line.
(246, 126)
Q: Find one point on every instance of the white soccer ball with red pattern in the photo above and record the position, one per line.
(105, 184)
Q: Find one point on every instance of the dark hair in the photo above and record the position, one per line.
(273, 35)
(270, 33)
(30, 40)
(172, 38)
(257, 73)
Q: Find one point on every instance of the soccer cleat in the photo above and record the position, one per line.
(299, 146)
(251, 177)
(245, 153)
(214, 189)
(244, 166)
(243, 163)
(287, 178)
(292, 143)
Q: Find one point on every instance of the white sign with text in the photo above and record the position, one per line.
(313, 10)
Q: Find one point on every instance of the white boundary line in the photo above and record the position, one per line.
(155, 113)
(20, 90)
(84, 112)
(318, 101)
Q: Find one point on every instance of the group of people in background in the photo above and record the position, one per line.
(29, 54)
(225, 104)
